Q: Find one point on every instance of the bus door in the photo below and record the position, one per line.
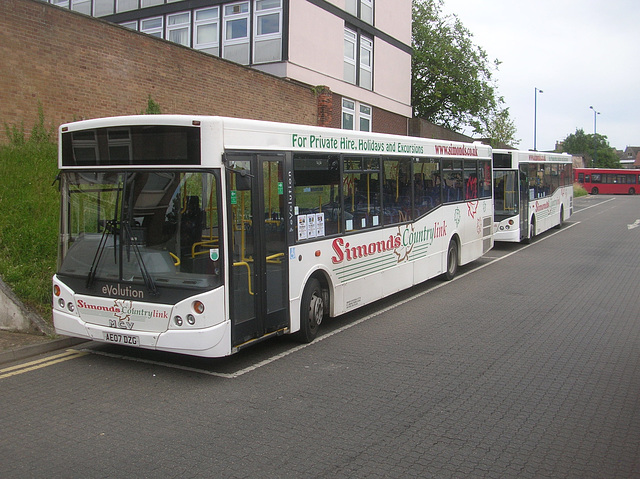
(524, 202)
(257, 246)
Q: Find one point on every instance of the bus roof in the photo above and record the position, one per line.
(524, 156)
(243, 134)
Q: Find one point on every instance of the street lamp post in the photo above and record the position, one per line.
(535, 115)
(595, 140)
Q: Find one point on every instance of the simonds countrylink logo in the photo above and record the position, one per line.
(400, 243)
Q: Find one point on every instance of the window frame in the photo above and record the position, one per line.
(227, 20)
(155, 30)
(357, 114)
(206, 22)
(258, 38)
(365, 46)
(350, 62)
(179, 27)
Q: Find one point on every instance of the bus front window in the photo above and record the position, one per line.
(505, 193)
(154, 228)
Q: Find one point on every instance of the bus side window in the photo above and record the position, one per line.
(316, 195)
(396, 190)
(452, 181)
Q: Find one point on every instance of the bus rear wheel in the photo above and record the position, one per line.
(632, 191)
(452, 261)
(594, 191)
(559, 225)
(311, 311)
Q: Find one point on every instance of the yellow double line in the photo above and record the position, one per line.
(40, 363)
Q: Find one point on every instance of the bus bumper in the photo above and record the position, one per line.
(211, 342)
(511, 235)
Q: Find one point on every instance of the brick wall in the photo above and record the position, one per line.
(80, 67)
(425, 129)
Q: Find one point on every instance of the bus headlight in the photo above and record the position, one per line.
(191, 319)
(61, 303)
(178, 320)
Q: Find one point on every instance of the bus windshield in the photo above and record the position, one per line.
(155, 229)
(505, 193)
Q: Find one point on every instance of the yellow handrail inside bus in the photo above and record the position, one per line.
(275, 258)
(177, 260)
(243, 263)
(211, 242)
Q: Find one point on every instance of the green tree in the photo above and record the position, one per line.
(595, 149)
(451, 76)
(498, 128)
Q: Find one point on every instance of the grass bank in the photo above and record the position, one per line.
(29, 207)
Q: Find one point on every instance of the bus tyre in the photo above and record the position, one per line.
(594, 191)
(532, 231)
(632, 191)
(559, 225)
(452, 261)
(311, 311)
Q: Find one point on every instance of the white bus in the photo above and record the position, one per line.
(202, 235)
(533, 192)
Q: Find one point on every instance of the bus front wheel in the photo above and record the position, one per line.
(632, 191)
(311, 311)
(594, 191)
(452, 261)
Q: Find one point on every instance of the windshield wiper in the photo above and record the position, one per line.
(108, 228)
(146, 276)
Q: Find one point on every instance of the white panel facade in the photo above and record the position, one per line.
(394, 18)
(319, 59)
(315, 40)
(392, 74)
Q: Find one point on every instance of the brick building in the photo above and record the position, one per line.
(262, 59)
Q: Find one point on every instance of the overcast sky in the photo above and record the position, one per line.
(578, 52)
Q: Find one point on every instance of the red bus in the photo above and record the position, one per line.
(608, 181)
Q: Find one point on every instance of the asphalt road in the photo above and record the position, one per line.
(526, 365)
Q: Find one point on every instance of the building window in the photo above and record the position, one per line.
(179, 28)
(366, 63)
(348, 114)
(130, 25)
(103, 7)
(235, 45)
(61, 3)
(350, 42)
(365, 118)
(152, 26)
(366, 11)
(81, 6)
(206, 28)
(355, 115)
(363, 9)
(358, 70)
(150, 3)
(126, 5)
(268, 31)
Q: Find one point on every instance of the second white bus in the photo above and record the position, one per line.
(533, 192)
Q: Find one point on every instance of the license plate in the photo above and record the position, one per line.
(122, 339)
